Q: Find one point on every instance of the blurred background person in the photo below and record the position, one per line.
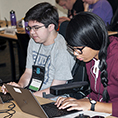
(73, 7)
(100, 7)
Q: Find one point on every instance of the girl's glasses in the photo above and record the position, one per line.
(77, 50)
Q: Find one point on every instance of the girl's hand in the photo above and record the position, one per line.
(73, 104)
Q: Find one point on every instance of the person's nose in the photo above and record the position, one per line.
(75, 53)
(32, 31)
(64, 7)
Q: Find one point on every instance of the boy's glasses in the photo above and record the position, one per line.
(77, 50)
(35, 28)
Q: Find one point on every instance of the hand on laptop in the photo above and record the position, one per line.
(62, 100)
(4, 90)
(73, 104)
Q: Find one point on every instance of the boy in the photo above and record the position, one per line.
(48, 61)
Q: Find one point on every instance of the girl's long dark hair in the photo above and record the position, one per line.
(88, 29)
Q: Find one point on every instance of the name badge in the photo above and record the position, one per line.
(35, 84)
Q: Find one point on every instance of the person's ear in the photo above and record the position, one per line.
(51, 27)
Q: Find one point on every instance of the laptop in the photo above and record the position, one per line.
(29, 104)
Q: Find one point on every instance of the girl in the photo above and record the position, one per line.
(88, 38)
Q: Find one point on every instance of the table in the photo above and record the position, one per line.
(20, 114)
(11, 39)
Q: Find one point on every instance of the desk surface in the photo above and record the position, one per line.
(8, 36)
(19, 30)
(19, 113)
(15, 37)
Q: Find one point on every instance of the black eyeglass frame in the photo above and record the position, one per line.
(35, 28)
(75, 49)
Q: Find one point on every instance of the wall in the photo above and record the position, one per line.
(21, 6)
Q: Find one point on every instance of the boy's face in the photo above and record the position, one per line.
(39, 32)
(66, 4)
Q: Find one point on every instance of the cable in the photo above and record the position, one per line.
(9, 111)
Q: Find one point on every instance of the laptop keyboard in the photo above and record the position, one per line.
(52, 111)
(5, 97)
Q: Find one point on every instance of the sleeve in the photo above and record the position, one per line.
(113, 73)
(29, 59)
(114, 89)
(115, 108)
(63, 64)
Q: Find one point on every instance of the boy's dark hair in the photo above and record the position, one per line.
(44, 13)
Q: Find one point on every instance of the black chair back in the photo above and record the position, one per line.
(114, 22)
(23, 40)
(79, 75)
(62, 29)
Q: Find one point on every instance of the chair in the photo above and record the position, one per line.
(2, 47)
(2, 44)
(78, 87)
(114, 4)
(113, 26)
(62, 29)
(2, 65)
(23, 40)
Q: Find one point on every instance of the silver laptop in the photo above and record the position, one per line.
(29, 104)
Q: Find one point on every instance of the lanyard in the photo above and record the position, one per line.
(37, 54)
(39, 51)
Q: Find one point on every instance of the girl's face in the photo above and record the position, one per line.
(87, 54)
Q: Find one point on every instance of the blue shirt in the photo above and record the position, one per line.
(103, 9)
